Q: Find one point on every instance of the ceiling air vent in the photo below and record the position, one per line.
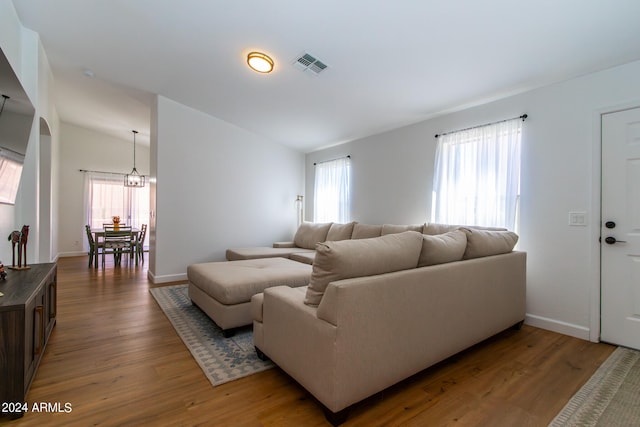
(306, 62)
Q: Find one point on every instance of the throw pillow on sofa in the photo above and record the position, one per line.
(358, 258)
(481, 243)
(443, 248)
(310, 233)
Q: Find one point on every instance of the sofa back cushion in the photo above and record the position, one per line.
(434, 228)
(393, 228)
(366, 231)
(442, 248)
(482, 243)
(340, 231)
(310, 233)
(364, 257)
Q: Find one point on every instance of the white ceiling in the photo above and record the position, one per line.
(391, 63)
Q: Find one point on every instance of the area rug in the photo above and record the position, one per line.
(221, 359)
(610, 397)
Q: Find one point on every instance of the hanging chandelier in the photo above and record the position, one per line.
(134, 179)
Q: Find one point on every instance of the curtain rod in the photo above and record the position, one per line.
(331, 160)
(112, 173)
(523, 117)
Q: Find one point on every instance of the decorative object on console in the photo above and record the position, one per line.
(19, 238)
(116, 222)
(134, 179)
(3, 274)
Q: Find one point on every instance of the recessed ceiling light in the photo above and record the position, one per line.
(260, 62)
(88, 73)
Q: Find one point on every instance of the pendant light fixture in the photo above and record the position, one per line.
(134, 179)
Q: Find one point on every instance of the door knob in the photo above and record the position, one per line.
(612, 240)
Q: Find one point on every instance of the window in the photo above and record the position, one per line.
(477, 176)
(106, 197)
(10, 171)
(332, 202)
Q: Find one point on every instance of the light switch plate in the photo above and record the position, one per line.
(578, 219)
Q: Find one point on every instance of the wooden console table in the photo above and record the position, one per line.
(27, 317)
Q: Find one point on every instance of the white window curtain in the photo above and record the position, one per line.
(10, 171)
(332, 193)
(106, 197)
(477, 176)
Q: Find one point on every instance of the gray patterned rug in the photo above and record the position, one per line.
(221, 359)
(610, 397)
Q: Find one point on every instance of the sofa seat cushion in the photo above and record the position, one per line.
(364, 257)
(481, 243)
(310, 233)
(442, 248)
(237, 254)
(234, 282)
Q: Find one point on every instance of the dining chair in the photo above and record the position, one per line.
(110, 224)
(117, 241)
(94, 247)
(139, 243)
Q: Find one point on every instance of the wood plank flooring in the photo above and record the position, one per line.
(116, 359)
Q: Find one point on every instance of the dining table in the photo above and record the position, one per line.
(98, 236)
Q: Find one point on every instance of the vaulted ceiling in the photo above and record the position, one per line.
(390, 63)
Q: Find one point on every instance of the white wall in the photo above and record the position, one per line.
(81, 148)
(560, 173)
(217, 186)
(23, 49)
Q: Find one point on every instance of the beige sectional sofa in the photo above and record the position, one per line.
(223, 290)
(379, 310)
(303, 246)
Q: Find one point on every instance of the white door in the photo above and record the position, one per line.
(620, 229)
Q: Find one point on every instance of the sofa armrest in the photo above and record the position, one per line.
(284, 245)
(297, 341)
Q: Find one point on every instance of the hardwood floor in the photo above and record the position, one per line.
(116, 359)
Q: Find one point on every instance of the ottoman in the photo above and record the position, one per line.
(223, 290)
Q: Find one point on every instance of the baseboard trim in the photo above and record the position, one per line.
(558, 326)
(71, 254)
(166, 278)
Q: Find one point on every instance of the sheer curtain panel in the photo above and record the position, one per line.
(332, 193)
(10, 171)
(477, 176)
(106, 197)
